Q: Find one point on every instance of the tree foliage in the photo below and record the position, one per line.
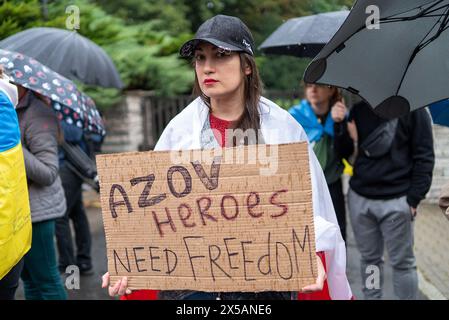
(143, 37)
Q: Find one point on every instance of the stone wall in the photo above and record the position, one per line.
(441, 170)
(124, 124)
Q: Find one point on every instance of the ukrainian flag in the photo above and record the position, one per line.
(15, 217)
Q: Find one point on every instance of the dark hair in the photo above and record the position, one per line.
(250, 118)
(337, 96)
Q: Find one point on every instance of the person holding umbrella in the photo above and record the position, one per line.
(229, 97)
(322, 114)
(78, 112)
(73, 176)
(39, 133)
(82, 138)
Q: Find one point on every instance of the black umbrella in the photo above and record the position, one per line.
(68, 53)
(304, 36)
(401, 66)
(72, 105)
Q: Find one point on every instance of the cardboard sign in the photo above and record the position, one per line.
(217, 225)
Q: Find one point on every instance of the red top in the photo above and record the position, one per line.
(219, 126)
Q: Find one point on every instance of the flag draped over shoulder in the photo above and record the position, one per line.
(15, 217)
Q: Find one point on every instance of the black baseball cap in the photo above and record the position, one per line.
(225, 32)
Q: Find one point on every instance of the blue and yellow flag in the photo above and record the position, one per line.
(15, 217)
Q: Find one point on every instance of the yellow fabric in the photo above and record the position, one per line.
(348, 168)
(15, 216)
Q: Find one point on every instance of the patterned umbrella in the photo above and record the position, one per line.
(87, 118)
(68, 101)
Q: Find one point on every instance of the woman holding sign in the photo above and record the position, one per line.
(229, 89)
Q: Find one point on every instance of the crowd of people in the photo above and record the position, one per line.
(392, 162)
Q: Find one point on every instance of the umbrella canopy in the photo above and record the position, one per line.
(66, 98)
(304, 36)
(440, 112)
(87, 118)
(399, 67)
(68, 53)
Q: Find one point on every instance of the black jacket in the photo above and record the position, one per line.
(406, 169)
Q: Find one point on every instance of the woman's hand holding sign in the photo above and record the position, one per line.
(319, 284)
(120, 288)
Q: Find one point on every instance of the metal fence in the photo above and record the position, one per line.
(158, 111)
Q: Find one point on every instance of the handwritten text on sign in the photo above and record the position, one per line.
(210, 227)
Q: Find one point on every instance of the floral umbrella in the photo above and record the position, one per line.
(87, 118)
(68, 100)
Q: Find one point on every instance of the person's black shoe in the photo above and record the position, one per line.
(86, 269)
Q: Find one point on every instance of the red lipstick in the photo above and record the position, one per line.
(209, 81)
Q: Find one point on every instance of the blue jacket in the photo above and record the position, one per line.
(304, 114)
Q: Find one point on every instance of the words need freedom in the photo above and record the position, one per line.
(231, 257)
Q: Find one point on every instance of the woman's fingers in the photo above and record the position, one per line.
(340, 108)
(105, 280)
(311, 288)
(340, 105)
(123, 286)
(319, 284)
(113, 291)
(120, 288)
(338, 112)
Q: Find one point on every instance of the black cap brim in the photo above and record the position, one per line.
(187, 50)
